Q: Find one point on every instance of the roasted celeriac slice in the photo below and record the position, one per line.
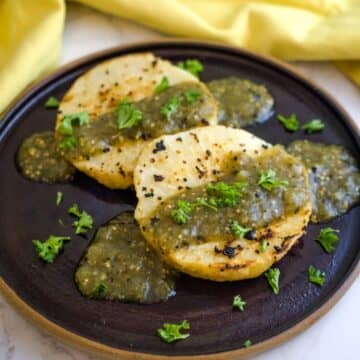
(195, 158)
(132, 77)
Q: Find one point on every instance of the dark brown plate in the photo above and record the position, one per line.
(47, 293)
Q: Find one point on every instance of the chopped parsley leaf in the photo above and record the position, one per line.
(328, 238)
(313, 126)
(52, 103)
(263, 246)
(224, 194)
(191, 96)
(238, 230)
(290, 123)
(59, 197)
(170, 107)
(182, 212)
(100, 290)
(49, 249)
(316, 276)
(193, 66)
(70, 120)
(127, 115)
(239, 303)
(171, 332)
(210, 203)
(68, 143)
(162, 86)
(84, 221)
(247, 343)
(273, 277)
(268, 180)
(66, 128)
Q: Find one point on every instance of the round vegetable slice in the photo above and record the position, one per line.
(196, 158)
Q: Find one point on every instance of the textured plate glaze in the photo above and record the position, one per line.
(47, 292)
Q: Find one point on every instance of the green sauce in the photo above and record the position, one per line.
(40, 159)
(334, 178)
(241, 102)
(256, 208)
(121, 264)
(102, 133)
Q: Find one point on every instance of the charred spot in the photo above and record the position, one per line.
(152, 160)
(121, 171)
(154, 63)
(159, 146)
(145, 136)
(179, 139)
(195, 137)
(149, 194)
(180, 187)
(158, 177)
(208, 152)
(116, 83)
(201, 172)
(268, 234)
(106, 149)
(185, 179)
(204, 122)
(144, 188)
(250, 235)
(215, 172)
(154, 220)
(264, 146)
(313, 169)
(277, 248)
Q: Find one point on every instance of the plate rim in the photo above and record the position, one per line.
(95, 347)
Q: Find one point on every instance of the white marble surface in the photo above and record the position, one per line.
(334, 337)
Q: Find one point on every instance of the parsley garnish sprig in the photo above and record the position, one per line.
(273, 277)
(328, 238)
(171, 332)
(50, 248)
(316, 276)
(238, 230)
(66, 128)
(239, 303)
(269, 181)
(193, 66)
(127, 115)
(84, 221)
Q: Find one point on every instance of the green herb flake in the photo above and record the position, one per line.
(181, 214)
(171, 332)
(269, 181)
(263, 246)
(50, 249)
(209, 203)
(100, 290)
(193, 66)
(59, 197)
(127, 115)
(239, 303)
(328, 238)
(316, 276)
(52, 103)
(247, 343)
(290, 123)
(191, 96)
(68, 143)
(226, 195)
(273, 277)
(162, 86)
(238, 230)
(70, 120)
(313, 126)
(170, 107)
(84, 221)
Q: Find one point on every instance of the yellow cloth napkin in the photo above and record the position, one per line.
(30, 30)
